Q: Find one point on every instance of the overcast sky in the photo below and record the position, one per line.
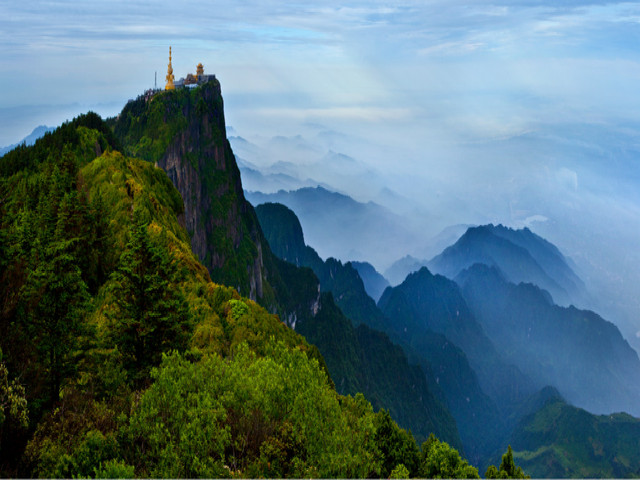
(472, 68)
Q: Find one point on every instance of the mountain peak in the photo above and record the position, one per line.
(422, 273)
(30, 139)
(481, 270)
(521, 255)
(183, 131)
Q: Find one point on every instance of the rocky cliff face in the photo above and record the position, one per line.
(183, 132)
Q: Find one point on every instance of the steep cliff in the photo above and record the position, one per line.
(183, 132)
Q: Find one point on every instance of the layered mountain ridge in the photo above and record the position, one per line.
(521, 255)
(577, 351)
(328, 217)
(358, 354)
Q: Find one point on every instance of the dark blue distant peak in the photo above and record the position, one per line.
(483, 270)
(424, 272)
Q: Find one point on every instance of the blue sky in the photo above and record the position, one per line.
(478, 111)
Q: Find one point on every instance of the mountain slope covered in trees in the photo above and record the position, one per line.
(98, 281)
(560, 441)
(359, 357)
(120, 357)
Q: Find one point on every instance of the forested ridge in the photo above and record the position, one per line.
(121, 358)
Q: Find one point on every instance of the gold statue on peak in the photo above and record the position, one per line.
(199, 71)
(170, 77)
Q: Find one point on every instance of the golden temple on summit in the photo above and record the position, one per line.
(191, 80)
(170, 78)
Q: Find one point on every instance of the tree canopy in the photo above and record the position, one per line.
(508, 468)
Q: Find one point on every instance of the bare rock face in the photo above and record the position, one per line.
(187, 180)
(183, 132)
(199, 161)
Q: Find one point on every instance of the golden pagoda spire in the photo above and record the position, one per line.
(170, 77)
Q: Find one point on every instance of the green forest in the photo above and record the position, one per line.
(121, 358)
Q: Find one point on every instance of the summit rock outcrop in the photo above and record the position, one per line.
(183, 132)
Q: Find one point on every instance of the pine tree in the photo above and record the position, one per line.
(508, 468)
(97, 246)
(395, 444)
(152, 315)
(55, 298)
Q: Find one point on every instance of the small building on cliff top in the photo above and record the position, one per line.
(190, 81)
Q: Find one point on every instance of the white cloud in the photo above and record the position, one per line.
(567, 178)
(450, 48)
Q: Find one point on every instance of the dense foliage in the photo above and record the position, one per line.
(508, 468)
(244, 416)
(560, 440)
(97, 281)
(439, 460)
(13, 404)
(121, 358)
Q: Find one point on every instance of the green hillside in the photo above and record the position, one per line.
(183, 132)
(561, 441)
(121, 358)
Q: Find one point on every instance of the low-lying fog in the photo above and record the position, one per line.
(574, 184)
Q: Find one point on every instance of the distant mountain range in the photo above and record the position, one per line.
(520, 254)
(425, 308)
(578, 352)
(299, 162)
(426, 303)
(510, 280)
(402, 268)
(29, 139)
(329, 218)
